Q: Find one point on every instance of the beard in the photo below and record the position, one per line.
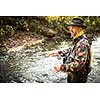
(72, 34)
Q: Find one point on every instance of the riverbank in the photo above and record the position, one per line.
(27, 39)
(21, 40)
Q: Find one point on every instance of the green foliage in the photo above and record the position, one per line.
(9, 25)
(7, 31)
(21, 24)
(59, 23)
(93, 24)
(2, 32)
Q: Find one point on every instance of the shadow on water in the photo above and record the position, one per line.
(32, 65)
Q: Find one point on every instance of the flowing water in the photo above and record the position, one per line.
(32, 64)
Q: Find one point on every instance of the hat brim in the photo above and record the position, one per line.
(83, 26)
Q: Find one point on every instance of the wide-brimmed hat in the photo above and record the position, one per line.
(77, 22)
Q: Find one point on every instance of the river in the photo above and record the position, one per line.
(32, 64)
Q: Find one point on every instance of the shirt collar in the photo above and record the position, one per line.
(78, 34)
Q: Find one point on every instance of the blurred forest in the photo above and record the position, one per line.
(25, 31)
(9, 25)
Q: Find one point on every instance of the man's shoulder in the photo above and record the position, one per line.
(83, 41)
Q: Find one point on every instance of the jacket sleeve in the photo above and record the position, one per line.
(64, 52)
(79, 60)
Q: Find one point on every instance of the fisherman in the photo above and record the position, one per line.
(77, 58)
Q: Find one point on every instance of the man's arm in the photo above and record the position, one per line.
(61, 53)
(64, 52)
(80, 58)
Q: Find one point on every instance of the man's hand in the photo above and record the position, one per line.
(57, 68)
(63, 68)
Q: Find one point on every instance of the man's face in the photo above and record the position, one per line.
(74, 30)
